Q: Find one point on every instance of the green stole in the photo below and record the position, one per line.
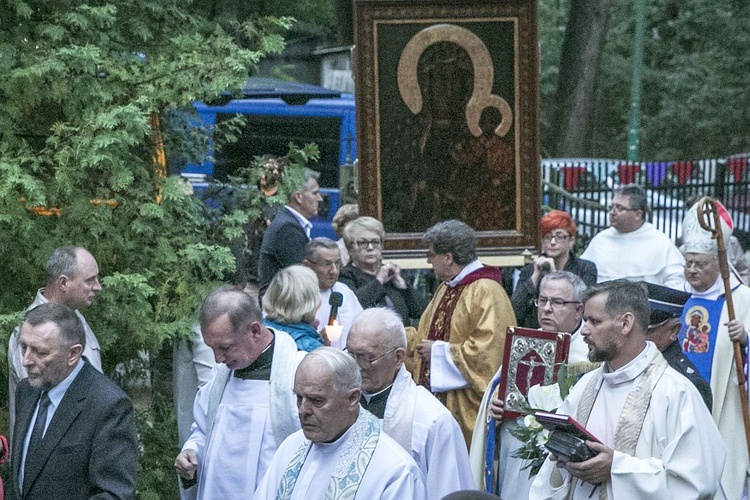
(352, 463)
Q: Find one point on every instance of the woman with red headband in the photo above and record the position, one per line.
(558, 237)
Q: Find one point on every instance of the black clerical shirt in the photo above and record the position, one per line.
(260, 369)
(377, 403)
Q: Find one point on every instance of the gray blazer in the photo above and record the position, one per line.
(90, 449)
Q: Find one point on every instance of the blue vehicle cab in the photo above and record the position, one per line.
(276, 114)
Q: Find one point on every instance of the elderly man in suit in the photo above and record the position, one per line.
(285, 239)
(75, 434)
(73, 281)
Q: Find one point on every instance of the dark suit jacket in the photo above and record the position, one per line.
(677, 360)
(283, 245)
(90, 449)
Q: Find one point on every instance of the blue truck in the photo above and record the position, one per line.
(277, 113)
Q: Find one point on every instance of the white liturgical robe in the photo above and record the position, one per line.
(391, 474)
(425, 428)
(646, 254)
(678, 454)
(243, 438)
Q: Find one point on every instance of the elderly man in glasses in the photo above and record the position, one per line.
(407, 412)
(559, 309)
(707, 337)
(323, 256)
(633, 248)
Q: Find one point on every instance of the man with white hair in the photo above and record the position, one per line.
(340, 451)
(407, 412)
(707, 336)
(559, 309)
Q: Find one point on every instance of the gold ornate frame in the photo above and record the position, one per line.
(423, 152)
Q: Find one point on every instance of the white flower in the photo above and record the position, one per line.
(544, 397)
(531, 422)
(542, 437)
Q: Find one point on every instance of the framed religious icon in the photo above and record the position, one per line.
(531, 357)
(447, 98)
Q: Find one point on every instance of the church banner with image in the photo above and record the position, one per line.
(447, 97)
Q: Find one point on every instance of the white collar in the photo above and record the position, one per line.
(714, 292)
(301, 218)
(635, 367)
(468, 269)
(370, 396)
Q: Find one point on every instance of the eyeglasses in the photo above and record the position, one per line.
(362, 244)
(364, 361)
(327, 265)
(621, 208)
(555, 303)
(699, 265)
(559, 237)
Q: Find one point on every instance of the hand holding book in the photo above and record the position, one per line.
(567, 438)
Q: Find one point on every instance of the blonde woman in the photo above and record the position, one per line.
(290, 304)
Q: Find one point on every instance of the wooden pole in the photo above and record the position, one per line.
(708, 210)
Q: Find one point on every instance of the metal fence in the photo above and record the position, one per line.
(583, 188)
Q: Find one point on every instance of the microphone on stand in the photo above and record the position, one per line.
(335, 301)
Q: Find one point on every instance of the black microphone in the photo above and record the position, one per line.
(335, 302)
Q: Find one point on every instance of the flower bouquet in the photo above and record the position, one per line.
(529, 431)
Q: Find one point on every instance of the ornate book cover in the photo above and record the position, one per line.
(531, 357)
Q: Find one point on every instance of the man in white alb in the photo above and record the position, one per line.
(340, 451)
(559, 309)
(408, 413)
(633, 248)
(707, 338)
(657, 438)
(247, 409)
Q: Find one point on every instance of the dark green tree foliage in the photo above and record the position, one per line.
(694, 99)
(314, 17)
(80, 84)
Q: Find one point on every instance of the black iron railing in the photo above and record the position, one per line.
(583, 187)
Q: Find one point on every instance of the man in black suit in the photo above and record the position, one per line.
(285, 239)
(75, 435)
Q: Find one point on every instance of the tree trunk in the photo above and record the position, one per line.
(579, 64)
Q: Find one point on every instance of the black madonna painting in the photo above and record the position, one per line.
(447, 117)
